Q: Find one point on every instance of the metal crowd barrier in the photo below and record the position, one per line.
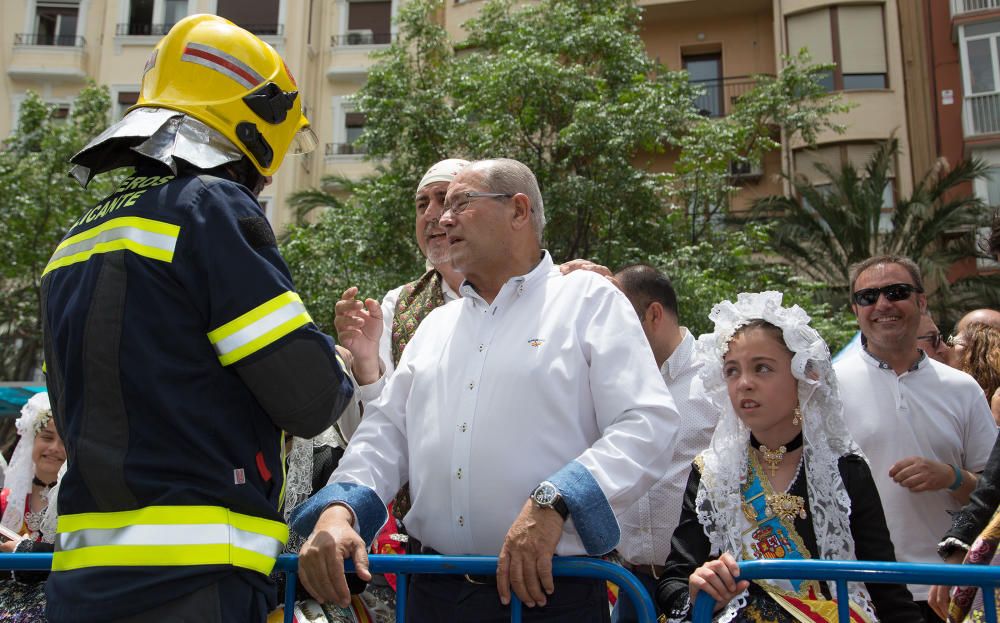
(402, 566)
(842, 572)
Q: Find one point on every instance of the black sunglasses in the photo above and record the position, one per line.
(894, 292)
(934, 338)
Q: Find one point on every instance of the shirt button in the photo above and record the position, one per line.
(463, 427)
(459, 473)
(471, 385)
(461, 520)
(481, 347)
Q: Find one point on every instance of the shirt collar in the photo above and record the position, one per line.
(521, 282)
(678, 361)
(875, 361)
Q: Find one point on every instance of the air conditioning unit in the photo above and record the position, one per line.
(743, 170)
(361, 36)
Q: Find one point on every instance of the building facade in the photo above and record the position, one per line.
(54, 46)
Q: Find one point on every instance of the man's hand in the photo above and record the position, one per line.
(919, 474)
(7, 547)
(321, 559)
(718, 579)
(359, 328)
(940, 596)
(525, 562)
(578, 264)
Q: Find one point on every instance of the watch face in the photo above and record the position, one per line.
(545, 494)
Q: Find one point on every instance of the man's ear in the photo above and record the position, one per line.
(654, 311)
(522, 211)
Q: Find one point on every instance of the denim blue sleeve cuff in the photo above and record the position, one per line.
(589, 509)
(368, 509)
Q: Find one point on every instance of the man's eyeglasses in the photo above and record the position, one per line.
(934, 338)
(895, 292)
(462, 200)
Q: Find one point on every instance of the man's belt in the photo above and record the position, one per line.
(653, 571)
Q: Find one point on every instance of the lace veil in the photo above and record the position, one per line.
(825, 437)
(35, 415)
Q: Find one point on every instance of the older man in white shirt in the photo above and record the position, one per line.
(530, 381)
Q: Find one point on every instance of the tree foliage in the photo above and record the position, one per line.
(823, 230)
(567, 88)
(40, 202)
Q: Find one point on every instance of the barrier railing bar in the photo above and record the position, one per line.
(843, 571)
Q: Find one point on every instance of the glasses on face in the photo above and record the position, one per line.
(955, 340)
(894, 292)
(461, 201)
(935, 339)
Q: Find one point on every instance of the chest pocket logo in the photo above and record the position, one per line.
(536, 342)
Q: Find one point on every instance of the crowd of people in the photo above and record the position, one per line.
(499, 404)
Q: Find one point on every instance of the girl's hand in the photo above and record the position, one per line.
(718, 579)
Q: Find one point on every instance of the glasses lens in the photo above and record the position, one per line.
(933, 338)
(898, 291)
(866, 297)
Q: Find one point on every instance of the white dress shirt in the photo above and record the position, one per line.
(648, 525)
(553, 380)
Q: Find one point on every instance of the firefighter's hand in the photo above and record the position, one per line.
(321, 559)
(525, 562)
(359, 329)
(718, 579)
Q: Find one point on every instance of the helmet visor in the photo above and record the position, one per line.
(305, 141)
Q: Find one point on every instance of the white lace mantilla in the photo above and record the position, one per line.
(825, 437)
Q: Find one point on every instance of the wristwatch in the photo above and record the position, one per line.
(546, 495)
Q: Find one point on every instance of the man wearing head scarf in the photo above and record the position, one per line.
(177, 351)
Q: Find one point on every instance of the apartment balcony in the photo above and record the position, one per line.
(963, 7)
(362, 37)
(981, 115)
(46, 57)
(719, 95)
(345, 149)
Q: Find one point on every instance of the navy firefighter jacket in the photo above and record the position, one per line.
(176, 353)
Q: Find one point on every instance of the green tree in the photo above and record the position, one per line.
(822, 230)
(564, 86)
(40, 203)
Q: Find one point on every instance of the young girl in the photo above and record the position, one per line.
(781, 478)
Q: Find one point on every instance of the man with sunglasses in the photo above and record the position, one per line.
(924, 426)
(526, 415)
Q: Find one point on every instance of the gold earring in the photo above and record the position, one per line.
(796, 416)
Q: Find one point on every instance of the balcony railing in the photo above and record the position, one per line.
(362, 37)
(345, 149)
(982, 114)
(959, 7)
(719, 95)
(158, 30)
(70, 41)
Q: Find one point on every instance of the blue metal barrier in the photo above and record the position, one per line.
(842, 572)
(569, 566)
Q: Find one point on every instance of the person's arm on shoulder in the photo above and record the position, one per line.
(893, 602)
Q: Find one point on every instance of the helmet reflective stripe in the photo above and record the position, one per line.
(168, 535)
(223, 63)
(153, 239)
(259, 327)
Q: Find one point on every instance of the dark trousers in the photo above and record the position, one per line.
(452, 598)
(929, 616)
(230, 600)
(625, 611)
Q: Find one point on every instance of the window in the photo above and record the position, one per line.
(705, 71)
(55, 23)
(259, 16)
(369, 23)
(981, 57)
(140, 18)
(833, 157)
(126, 99)
(174, 11)
(851, 37)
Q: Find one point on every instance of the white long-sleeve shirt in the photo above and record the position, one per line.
(553, 380)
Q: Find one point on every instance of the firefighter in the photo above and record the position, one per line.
(176, 348)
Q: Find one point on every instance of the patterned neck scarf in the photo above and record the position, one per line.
(417, 299)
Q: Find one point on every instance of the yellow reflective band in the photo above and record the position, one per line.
(142, 236)
(172, 515)
(161, 556)
(259, 327)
